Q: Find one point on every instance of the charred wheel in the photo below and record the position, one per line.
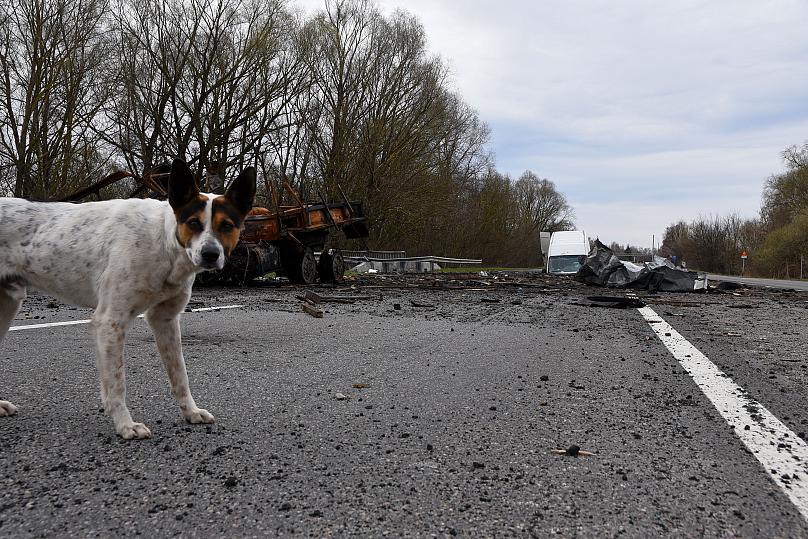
(308, 267)
(300, 266)
(331, 267)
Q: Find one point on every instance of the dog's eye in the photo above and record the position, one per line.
(195, 225)
(226, 226)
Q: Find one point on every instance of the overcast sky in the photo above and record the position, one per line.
(641, 112)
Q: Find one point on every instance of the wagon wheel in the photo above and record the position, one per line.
(331, 266)
(308, 267)
(338, 266)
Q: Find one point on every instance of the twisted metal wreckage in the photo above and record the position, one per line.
(603, 268)
(282, 239)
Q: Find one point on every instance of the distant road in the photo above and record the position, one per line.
(775, 283)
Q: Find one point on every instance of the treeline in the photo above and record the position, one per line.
(629, 249)
(346, 99)
(775, 241)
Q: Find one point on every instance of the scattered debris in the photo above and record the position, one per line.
(397, 306)
(422, 305)
(360, 386)
(314, 298)
(572, 451)
(313, 311)
(340, 396)
(613, 302)
(728, 286)
(489, 300)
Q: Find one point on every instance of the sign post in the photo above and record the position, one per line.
(744, 256)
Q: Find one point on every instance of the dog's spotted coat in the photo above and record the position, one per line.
(123, 258)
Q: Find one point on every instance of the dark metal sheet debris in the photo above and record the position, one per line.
(603, 268)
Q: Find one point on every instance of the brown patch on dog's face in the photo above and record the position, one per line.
(226, 223)
(191, 219)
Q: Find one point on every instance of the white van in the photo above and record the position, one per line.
(564, 251)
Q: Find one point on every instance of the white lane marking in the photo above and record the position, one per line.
(49, 325)
(783, 454)
(87, 321)
(223, 307)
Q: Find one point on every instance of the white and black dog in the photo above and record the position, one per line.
(123, 258)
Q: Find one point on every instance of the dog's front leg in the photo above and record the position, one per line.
(110, 333)
(12, 292)
(164, 320)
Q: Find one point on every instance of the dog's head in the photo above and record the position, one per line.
(208, 225)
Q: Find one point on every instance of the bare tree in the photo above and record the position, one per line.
(785, 195)
(541, 206)
(340, 61)
(50, 93)
(202, 80)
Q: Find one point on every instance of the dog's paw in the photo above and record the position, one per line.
(134, 431)
(199, 415)
(7, 409)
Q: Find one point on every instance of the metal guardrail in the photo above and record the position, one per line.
(435, 259)
(381, 255)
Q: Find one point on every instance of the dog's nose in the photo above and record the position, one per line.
(210, 255)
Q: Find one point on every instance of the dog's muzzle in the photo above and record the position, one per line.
(211, 258)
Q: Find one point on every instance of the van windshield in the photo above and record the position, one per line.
(564, 264)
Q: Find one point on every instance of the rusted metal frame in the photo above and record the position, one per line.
(150, 183)
(147, 182)
(347, 202)
(314, 228)
(328, 211)
(110, 179)
(276, 200)
(296, 196)
(291, 235)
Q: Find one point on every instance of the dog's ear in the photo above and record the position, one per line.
(182, 187)
(242, 191)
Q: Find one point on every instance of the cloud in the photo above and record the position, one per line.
(643, 113)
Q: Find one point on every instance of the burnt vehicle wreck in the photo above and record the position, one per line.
(283, 240)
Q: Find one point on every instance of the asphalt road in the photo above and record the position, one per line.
(792, 284)
(447, 429)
